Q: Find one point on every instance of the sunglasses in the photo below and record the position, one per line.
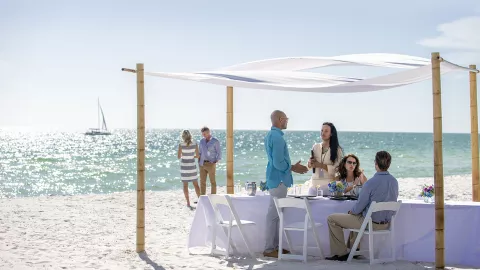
(351, 162)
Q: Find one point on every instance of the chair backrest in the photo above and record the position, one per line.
(216, 200)
(382, 206)
(294, 203)
(289, 202)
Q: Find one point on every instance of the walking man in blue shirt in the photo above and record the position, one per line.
(279, 177)
(210, 154)
(382, 187)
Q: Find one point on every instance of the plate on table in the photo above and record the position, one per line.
(344, 198)
(301, 196)
(351, 197)
(338, 198)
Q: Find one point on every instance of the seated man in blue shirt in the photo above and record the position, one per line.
(382, 187)
(279, 177)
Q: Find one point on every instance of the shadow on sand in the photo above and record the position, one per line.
(145, 258)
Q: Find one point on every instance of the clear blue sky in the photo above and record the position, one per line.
(57, 57)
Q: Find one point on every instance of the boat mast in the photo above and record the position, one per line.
(104, 123)
(98, 112)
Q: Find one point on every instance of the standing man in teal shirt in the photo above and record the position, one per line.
(279, 177)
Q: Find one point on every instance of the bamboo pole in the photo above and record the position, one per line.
(140, 159)
(474, 135)
(230, 140)
(438, 163)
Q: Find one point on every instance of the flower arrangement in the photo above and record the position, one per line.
(427, 191)
(336, 187)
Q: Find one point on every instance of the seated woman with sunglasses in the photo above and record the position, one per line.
(350, 173)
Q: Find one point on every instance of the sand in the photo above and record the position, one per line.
(98, 232)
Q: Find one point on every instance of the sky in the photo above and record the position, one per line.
(58, 57)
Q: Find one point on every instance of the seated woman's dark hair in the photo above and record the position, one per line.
(342, 171)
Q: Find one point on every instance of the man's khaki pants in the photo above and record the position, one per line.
(208, 168)
(338, 222)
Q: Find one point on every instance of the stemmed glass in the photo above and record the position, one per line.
(319, 191)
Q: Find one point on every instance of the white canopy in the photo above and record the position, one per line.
(287, 74)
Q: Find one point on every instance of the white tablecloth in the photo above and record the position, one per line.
(414, 228)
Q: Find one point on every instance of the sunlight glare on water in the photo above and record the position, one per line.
(66, 163)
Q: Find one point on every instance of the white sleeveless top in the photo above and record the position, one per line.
(321, 177)
(350, 184)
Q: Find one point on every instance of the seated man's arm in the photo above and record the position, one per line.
(363, 200)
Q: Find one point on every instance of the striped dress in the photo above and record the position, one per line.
(188, 168)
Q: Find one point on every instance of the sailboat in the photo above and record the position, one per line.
(102, 124)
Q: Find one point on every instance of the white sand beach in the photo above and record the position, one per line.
(98, 232)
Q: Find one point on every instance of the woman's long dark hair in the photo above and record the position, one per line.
(343, 171)
(333, 142)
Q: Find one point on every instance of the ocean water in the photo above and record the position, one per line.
(68, 163)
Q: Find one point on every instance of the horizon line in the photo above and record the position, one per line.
(214, 129)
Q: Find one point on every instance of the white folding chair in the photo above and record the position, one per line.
(233, 221)
(308, 224)
(376, 207)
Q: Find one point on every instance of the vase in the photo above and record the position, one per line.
(428, 199)
(338, 194)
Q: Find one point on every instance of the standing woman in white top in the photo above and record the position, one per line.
(350, 173)
(326, 157)
(187, 152)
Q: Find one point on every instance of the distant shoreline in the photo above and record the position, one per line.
(408, 188)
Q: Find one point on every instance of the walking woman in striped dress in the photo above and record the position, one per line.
(187, 152)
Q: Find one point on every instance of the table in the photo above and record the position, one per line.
(414, 228)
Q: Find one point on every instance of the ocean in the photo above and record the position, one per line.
(69, 163)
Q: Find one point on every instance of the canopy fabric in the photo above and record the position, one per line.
(303, 63)
(285, 74)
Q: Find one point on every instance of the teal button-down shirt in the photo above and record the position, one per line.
(279, 163)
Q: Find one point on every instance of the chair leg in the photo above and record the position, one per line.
(353, 250)
(370, 247)
(280, 240)
(229, 237)
(305, 242)
(214, 237)
(317, 240)
(246, 242)
(232, 245)
(289, 240)
(392, 240)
